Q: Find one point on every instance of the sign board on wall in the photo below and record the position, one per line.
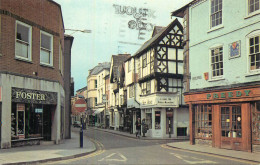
(160, 101)
(22, 95)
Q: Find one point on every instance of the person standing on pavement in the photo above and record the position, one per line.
(138, 128)
(144, 127)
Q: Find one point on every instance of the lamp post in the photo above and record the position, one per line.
(81, 119)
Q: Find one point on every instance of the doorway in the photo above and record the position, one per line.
(231, 127)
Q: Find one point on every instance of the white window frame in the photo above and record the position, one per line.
(253, 34)
(29, 42)
(255, 11)
(210, 63)
(210, 18)
(51, 51)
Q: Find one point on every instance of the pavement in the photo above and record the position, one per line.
(217, 151)
(127, 134)
(68, 149)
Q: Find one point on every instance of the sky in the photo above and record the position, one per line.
(117, 26)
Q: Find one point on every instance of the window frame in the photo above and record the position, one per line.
(210, 62)
(201, 131)
(211, 14)
(51, 50)
(29, 58)
(255, 11)
(252, 35)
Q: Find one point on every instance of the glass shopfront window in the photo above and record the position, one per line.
(148, 118)
(203, 121)
(28, 121)
(157, 119)
(256, 122)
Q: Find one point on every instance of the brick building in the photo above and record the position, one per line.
(32, 102)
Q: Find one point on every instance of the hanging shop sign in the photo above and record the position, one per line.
(33, 96)
(234, 49)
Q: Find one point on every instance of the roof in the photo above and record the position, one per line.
(116, 61)
(101, 66)
(180, 12)
(157, 29)
(82, 89)
(157, 38)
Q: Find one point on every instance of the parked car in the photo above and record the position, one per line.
(77, 124)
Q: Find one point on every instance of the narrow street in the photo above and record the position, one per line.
(116, 149)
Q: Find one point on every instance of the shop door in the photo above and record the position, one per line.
(231, 128)
(47, 122)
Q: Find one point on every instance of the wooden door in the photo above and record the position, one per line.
(231, 127)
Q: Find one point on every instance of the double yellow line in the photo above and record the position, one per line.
(100, 150)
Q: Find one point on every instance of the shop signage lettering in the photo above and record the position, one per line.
(21, 95)
(228, 94)
(159, 101)
(29, 96)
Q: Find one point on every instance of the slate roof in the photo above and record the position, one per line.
(101, 66)
(156, 38)
(157, 29)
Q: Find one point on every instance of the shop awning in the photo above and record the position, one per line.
(98, 111)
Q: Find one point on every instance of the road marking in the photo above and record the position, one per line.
(108, 158)
(211, 155)
(197, 160)
(100, 150)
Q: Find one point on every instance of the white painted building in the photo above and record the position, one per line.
(159, 65)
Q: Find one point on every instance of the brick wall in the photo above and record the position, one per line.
(42, 15)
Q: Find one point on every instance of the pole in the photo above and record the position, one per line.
(81, 134)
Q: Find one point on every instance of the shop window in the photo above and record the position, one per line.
(157, 119)
(26, 121)
(203, 121)
(23, 41)
(46, 55)
(256, 122)
(216, 13)
(231, 122)
(217, 61)
(148, 118)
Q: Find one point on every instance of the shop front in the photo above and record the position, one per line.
(163, 116)
(32, 116)
(226, 119)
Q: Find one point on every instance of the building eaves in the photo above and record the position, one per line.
(154, 40)
(180, 12)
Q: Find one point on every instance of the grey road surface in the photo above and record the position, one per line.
(115, 149)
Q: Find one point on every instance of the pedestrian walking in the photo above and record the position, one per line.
(138, 128)
(144, 127)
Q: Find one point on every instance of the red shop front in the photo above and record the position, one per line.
(226, 118)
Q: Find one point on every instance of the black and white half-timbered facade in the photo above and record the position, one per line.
(159, 64)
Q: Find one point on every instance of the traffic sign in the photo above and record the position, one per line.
(80, 105)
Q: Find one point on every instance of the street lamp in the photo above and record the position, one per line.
(77, 30)
(81, 130)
